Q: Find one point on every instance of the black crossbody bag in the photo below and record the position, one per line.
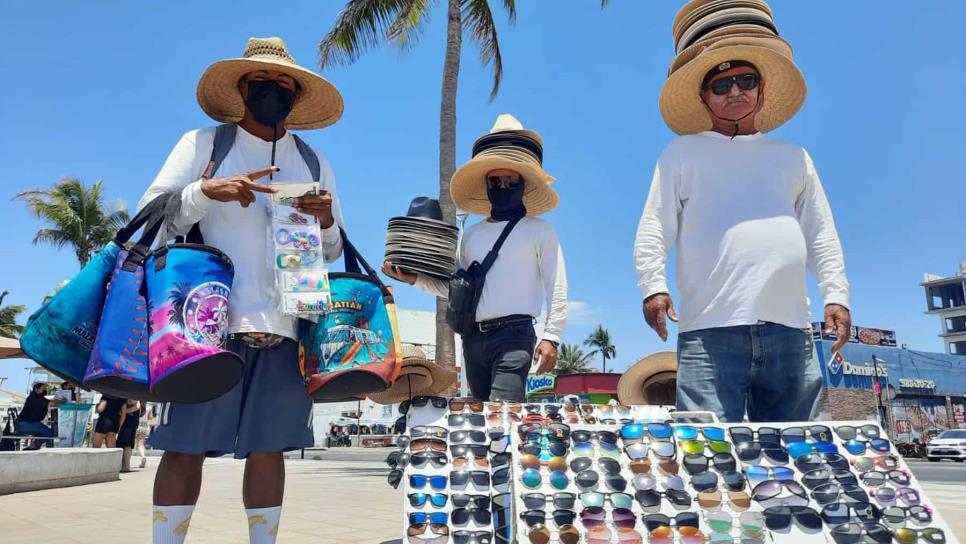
(466, 288)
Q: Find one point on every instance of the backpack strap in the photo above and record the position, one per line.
(224, 141)
(491, 256)
(309, 156)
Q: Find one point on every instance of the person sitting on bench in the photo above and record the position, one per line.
(34, 412)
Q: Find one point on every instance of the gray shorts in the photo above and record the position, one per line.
(268, 411)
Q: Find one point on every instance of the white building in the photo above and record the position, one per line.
(416, 328)
(946, 297)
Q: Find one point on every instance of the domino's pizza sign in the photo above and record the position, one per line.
(835, 364)
(537, 383)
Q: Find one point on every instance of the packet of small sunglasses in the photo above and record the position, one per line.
(305, 303)
(306, 281)
(298, 260)
(289, 215)
(299, 238)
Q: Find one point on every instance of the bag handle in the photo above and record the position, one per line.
(492, 255)
(353, 259)
(151, 209)
(140, 251)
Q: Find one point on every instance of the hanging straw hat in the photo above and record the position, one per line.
(318, 105)
(654, 369)
(508, 145)
(418, 376)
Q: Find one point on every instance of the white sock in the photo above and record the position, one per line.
(170, 523)
(263, 524)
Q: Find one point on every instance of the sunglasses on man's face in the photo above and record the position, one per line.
(745, 82)
(504, 182)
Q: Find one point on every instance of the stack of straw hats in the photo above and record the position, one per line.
(709, 33)
(421, 241)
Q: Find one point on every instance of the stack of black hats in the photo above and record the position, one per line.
(421, 241)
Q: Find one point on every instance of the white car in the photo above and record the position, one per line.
(950, 444)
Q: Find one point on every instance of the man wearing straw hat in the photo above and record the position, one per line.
(261, 96)
(748, 215)
(505, 181)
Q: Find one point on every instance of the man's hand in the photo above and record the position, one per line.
(239, 188)
(656, 307)
(546, 355)
(319, 205)
(396, 273)
(838, 321)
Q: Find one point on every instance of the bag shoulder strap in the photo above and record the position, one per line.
(353, 259)
(309, 156)
(492, 255)
(224, 141)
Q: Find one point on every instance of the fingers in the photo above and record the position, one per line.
(670, 310)
(661, 324)
(252, 186)
(262, 172)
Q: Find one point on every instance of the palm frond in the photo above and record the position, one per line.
(409, 24)
(360, 25)
(479, 20)
(511, 10)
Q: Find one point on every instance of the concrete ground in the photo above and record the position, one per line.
(340, 498)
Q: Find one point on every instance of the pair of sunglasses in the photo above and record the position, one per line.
(832, 492)
(647, 481)
(589, 479)
(765, 435)
(666, 450)
(594, 516)
(616, 500)
(532, 479)
(419, 518)
(423, 458)
(620, 411)
(602, 534)
(473, 436)
(606, 449)
(540, 447)
(560, 517)
(698, 446)
(749, 452)
(539, 534)
(690, 432)
(462, 516)
(899, 514)
(471, 537)
(812, 461)
(656, 521)
(798, 449)
(440, 532)
(733, 480)
(467, 462)
(874, 478)
(429, 431)
(462, 478)
(500, 182)
(823, 475)
(713, 498)
(770, 489)
(583, 437)
(465, 450)
(858, 447)
(419, 481)
(605, 464)
(695, 463)
(722, 86)
(890, 494)
(749, 523)
(554, 464)
(849, 432)
(421, 401)
(759, 473)
(852, 533)
(463, 420)
(561, 500)
(778, 518)
(841, 512)
(427, 444)
(650, 498)
(818, 433)
(865, 464)
(436, 499)
(686, 535)
(472, 405)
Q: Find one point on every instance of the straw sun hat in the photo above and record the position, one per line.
(507, 146)
(657, 368)
(418, 376)
(783, 86)
(319, 104)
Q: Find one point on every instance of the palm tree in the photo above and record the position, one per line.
(77, 215)
(572, 360)
(9, 328)
(178, 297)
(600, 340)
(363, 23)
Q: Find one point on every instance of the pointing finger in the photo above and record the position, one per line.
(262, 172)
(251, 185)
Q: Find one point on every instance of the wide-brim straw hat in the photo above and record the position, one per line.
(699, 8)
(418, 376)
(468, 185)
(783, 87)
(318, 105)
(655, 368)
(697, 18)
(725, 40)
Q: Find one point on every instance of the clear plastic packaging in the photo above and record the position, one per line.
(301, 279)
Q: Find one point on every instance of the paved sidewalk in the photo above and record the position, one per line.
(326, 502)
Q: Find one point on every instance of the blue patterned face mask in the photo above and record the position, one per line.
(507, 204)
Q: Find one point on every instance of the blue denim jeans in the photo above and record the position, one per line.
(497, 362)
(758, 369)
(36, 428)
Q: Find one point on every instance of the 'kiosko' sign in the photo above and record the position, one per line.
(540, 382)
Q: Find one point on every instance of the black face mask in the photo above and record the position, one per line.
(269, 102)
(507, 204)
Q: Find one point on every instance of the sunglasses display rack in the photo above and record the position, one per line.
(591, 474)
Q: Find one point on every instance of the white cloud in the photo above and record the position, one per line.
(578, 313)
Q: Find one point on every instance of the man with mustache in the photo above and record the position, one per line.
(748, 214)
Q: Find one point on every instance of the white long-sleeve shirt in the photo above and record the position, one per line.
(529, 268)
(242, 233)
(748, 216)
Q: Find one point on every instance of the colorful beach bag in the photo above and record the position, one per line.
(187, 293)
(60, 335)
(354, 348)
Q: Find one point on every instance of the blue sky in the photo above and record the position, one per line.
(103, 90)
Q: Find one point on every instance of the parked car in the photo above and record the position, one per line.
(950, 444)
